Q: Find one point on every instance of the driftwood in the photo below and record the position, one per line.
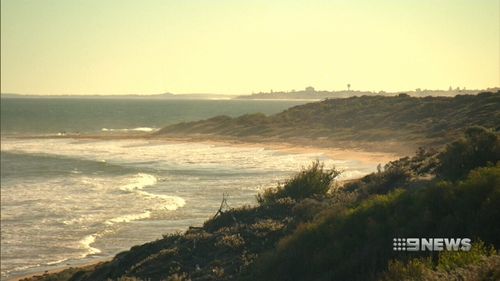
(223, 205)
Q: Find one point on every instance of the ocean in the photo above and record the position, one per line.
(73, 201)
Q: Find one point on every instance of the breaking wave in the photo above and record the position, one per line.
(139, 181)
(138, 129)
(142, 180)
(86, 243)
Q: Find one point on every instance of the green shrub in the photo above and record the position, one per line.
(310, 182)
(391, 178)
(354, 244)
(480, 147)
(415, 269)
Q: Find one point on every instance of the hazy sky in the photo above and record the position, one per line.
(238, 47)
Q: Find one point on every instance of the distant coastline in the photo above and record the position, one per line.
(135, 96)
(308, 94)
(330, 124)
(398, 123)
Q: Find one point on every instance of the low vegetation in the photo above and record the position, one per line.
(314, 182)
(313, 228)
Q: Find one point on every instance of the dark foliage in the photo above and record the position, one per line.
(314, 181)
(480, 147)
(356, 244)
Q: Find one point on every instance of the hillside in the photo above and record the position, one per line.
(312, 228)
(365, 120)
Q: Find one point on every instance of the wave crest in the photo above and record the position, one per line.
(142, 180)
(139, 181)
(138, 129)
(86, 243)
(129, 218)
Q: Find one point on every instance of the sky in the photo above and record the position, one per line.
(239, 47)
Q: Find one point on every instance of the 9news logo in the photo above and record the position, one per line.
(431, 244)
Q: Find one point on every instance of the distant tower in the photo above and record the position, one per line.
(348, 87)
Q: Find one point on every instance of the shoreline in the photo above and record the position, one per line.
(356, 152)
(42, 273)
(359, 154)
(367, 152)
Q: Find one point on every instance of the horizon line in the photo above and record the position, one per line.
(458, 89)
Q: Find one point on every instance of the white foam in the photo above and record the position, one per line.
(86, 243)
(140, 181)
(138, 129)
(19, 268)
(74, 221)
(129, 218)
(171, 203)
(56, 262)
(164, 154)
(144, 129)
(200, 157)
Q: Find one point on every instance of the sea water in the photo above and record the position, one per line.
(73, 201)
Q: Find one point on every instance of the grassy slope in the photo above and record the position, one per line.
(345, 234)
(410, 120)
